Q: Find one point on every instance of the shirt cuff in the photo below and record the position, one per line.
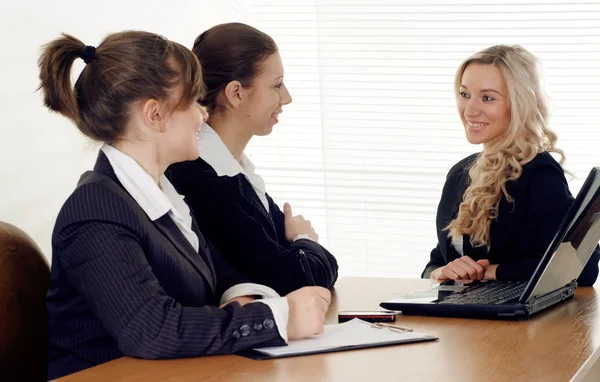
(248, 289)
(281, 311)
(302, 236)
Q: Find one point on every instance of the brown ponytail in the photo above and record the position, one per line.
(55, 75)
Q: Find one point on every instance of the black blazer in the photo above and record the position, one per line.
(122, 284)
(523, 230)
(251, 239)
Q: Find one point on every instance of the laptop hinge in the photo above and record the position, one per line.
(533, 299)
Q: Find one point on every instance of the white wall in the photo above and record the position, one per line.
(42, 154)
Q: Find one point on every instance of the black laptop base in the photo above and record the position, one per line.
(507, 311)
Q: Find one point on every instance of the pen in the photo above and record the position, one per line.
(306, 268)
(396, 328)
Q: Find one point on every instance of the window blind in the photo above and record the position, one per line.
(364, 148)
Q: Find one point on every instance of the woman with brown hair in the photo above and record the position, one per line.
(245, 93)
(501, 208)
(131, 273)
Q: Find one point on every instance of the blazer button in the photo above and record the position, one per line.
(245, 330)
(258, 327)
(237, 335)
(268, 324)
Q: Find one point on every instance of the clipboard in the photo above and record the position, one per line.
(351, 335)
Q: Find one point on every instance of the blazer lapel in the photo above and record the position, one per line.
(204, 250)
(249, 196)
(168, 228)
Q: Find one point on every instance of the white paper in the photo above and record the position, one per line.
(351, 333)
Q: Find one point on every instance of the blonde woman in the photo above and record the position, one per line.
(500, 208)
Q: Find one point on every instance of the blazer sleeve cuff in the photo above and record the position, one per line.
(518, 271)
(281, 311)
(248, 289)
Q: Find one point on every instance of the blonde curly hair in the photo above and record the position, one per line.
(503, 158)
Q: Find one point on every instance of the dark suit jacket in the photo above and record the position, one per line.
(523, 230)
(122, 284)
(251, 239)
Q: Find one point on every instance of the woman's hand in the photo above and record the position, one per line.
(465, 268)
(297, 225)
(308, 308)
(490, 272)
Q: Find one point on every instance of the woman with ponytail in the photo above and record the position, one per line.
(131, 273)
(501, 208)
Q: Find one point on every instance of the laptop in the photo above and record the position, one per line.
(553, 281)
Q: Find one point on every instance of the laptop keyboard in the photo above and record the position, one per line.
(489, 293)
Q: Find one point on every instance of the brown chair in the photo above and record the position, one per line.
(24, 279)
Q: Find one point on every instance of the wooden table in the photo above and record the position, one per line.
(552, 346)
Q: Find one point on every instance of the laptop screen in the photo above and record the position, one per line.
(573, 244)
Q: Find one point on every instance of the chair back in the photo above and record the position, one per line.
(24, 281)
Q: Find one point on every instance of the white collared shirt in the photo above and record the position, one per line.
(214, 152)
(155, 200)
(159, 199)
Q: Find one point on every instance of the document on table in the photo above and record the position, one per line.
(354, 334)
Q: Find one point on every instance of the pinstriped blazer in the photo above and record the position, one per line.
(122, 284)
